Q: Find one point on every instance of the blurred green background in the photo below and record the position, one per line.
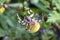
(49, 11)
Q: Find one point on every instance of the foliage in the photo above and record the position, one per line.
(47, 9)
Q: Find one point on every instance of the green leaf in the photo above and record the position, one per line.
(2, 32)
(2, 1)
(41, 7)
(54, 17)
(3, 22)
(56, 3)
